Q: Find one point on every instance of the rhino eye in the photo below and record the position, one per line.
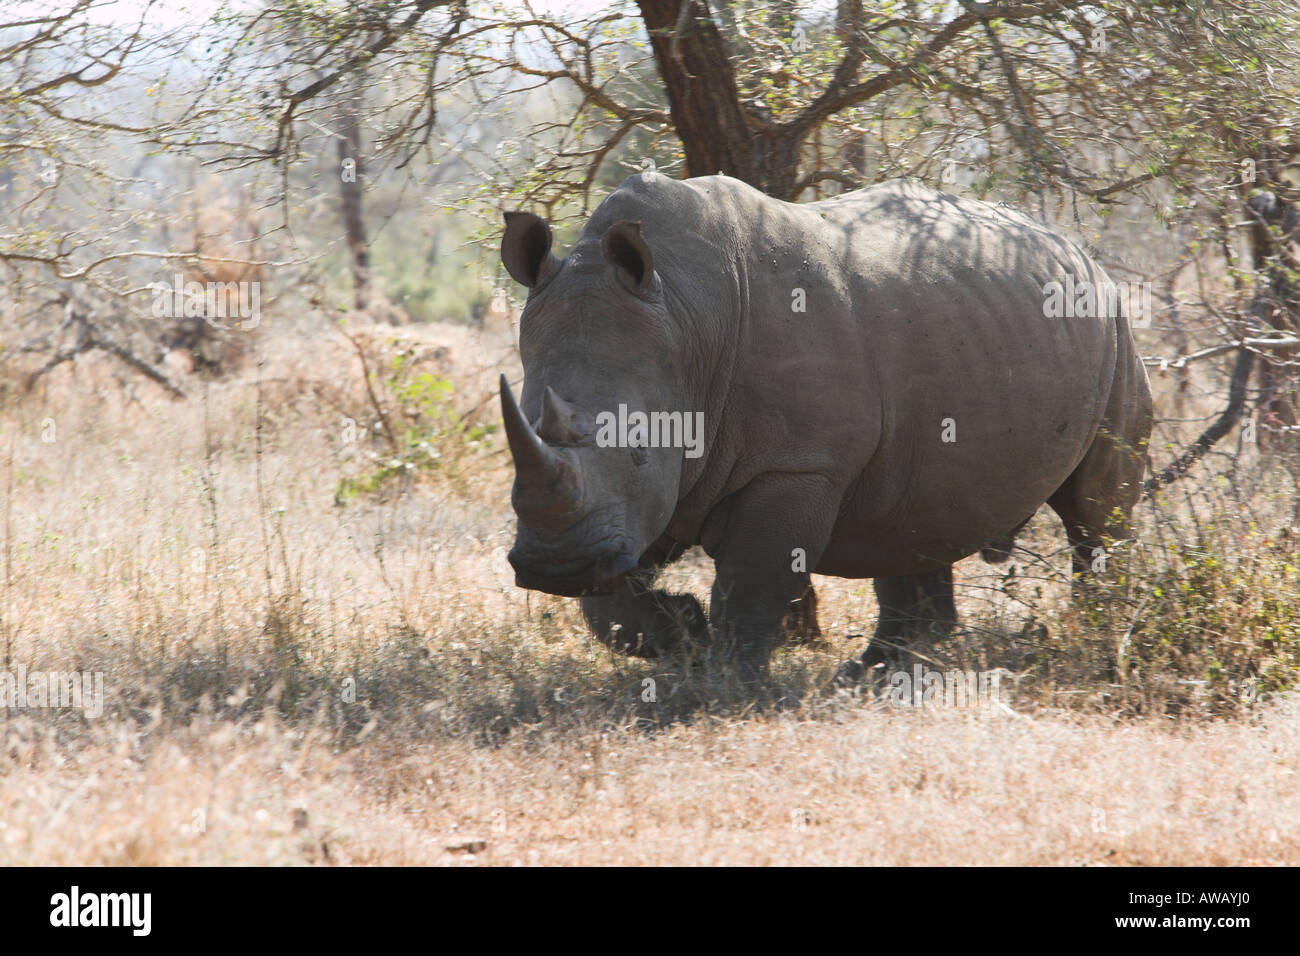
(639, 455)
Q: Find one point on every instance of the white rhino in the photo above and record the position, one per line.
(882, 393)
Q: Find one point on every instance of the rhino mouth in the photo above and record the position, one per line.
(601, 575)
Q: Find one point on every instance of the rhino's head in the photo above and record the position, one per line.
(595, 334)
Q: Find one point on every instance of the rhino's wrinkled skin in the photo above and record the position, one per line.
(824, 429)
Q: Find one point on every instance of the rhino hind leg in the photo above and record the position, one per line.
(915, 611)
(1090, 518)
(1096, 502)
(643, 621)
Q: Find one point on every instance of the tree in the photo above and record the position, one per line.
(1086, 112)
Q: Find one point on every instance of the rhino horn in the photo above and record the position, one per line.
(548, 490)
(559, 423)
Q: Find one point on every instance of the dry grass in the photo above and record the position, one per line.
(867, 787)
(202, 564)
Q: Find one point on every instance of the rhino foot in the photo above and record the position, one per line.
(848, 674)
(857, 672)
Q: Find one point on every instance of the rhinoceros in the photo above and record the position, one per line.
(869, 386)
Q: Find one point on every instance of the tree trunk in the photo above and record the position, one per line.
(350, 168)
(702, 91)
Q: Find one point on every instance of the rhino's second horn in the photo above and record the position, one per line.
(559, 423)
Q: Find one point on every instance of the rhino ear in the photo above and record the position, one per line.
(631, 258)
(526, 248)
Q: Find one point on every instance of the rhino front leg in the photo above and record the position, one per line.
(775, 531)
(643, 621)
